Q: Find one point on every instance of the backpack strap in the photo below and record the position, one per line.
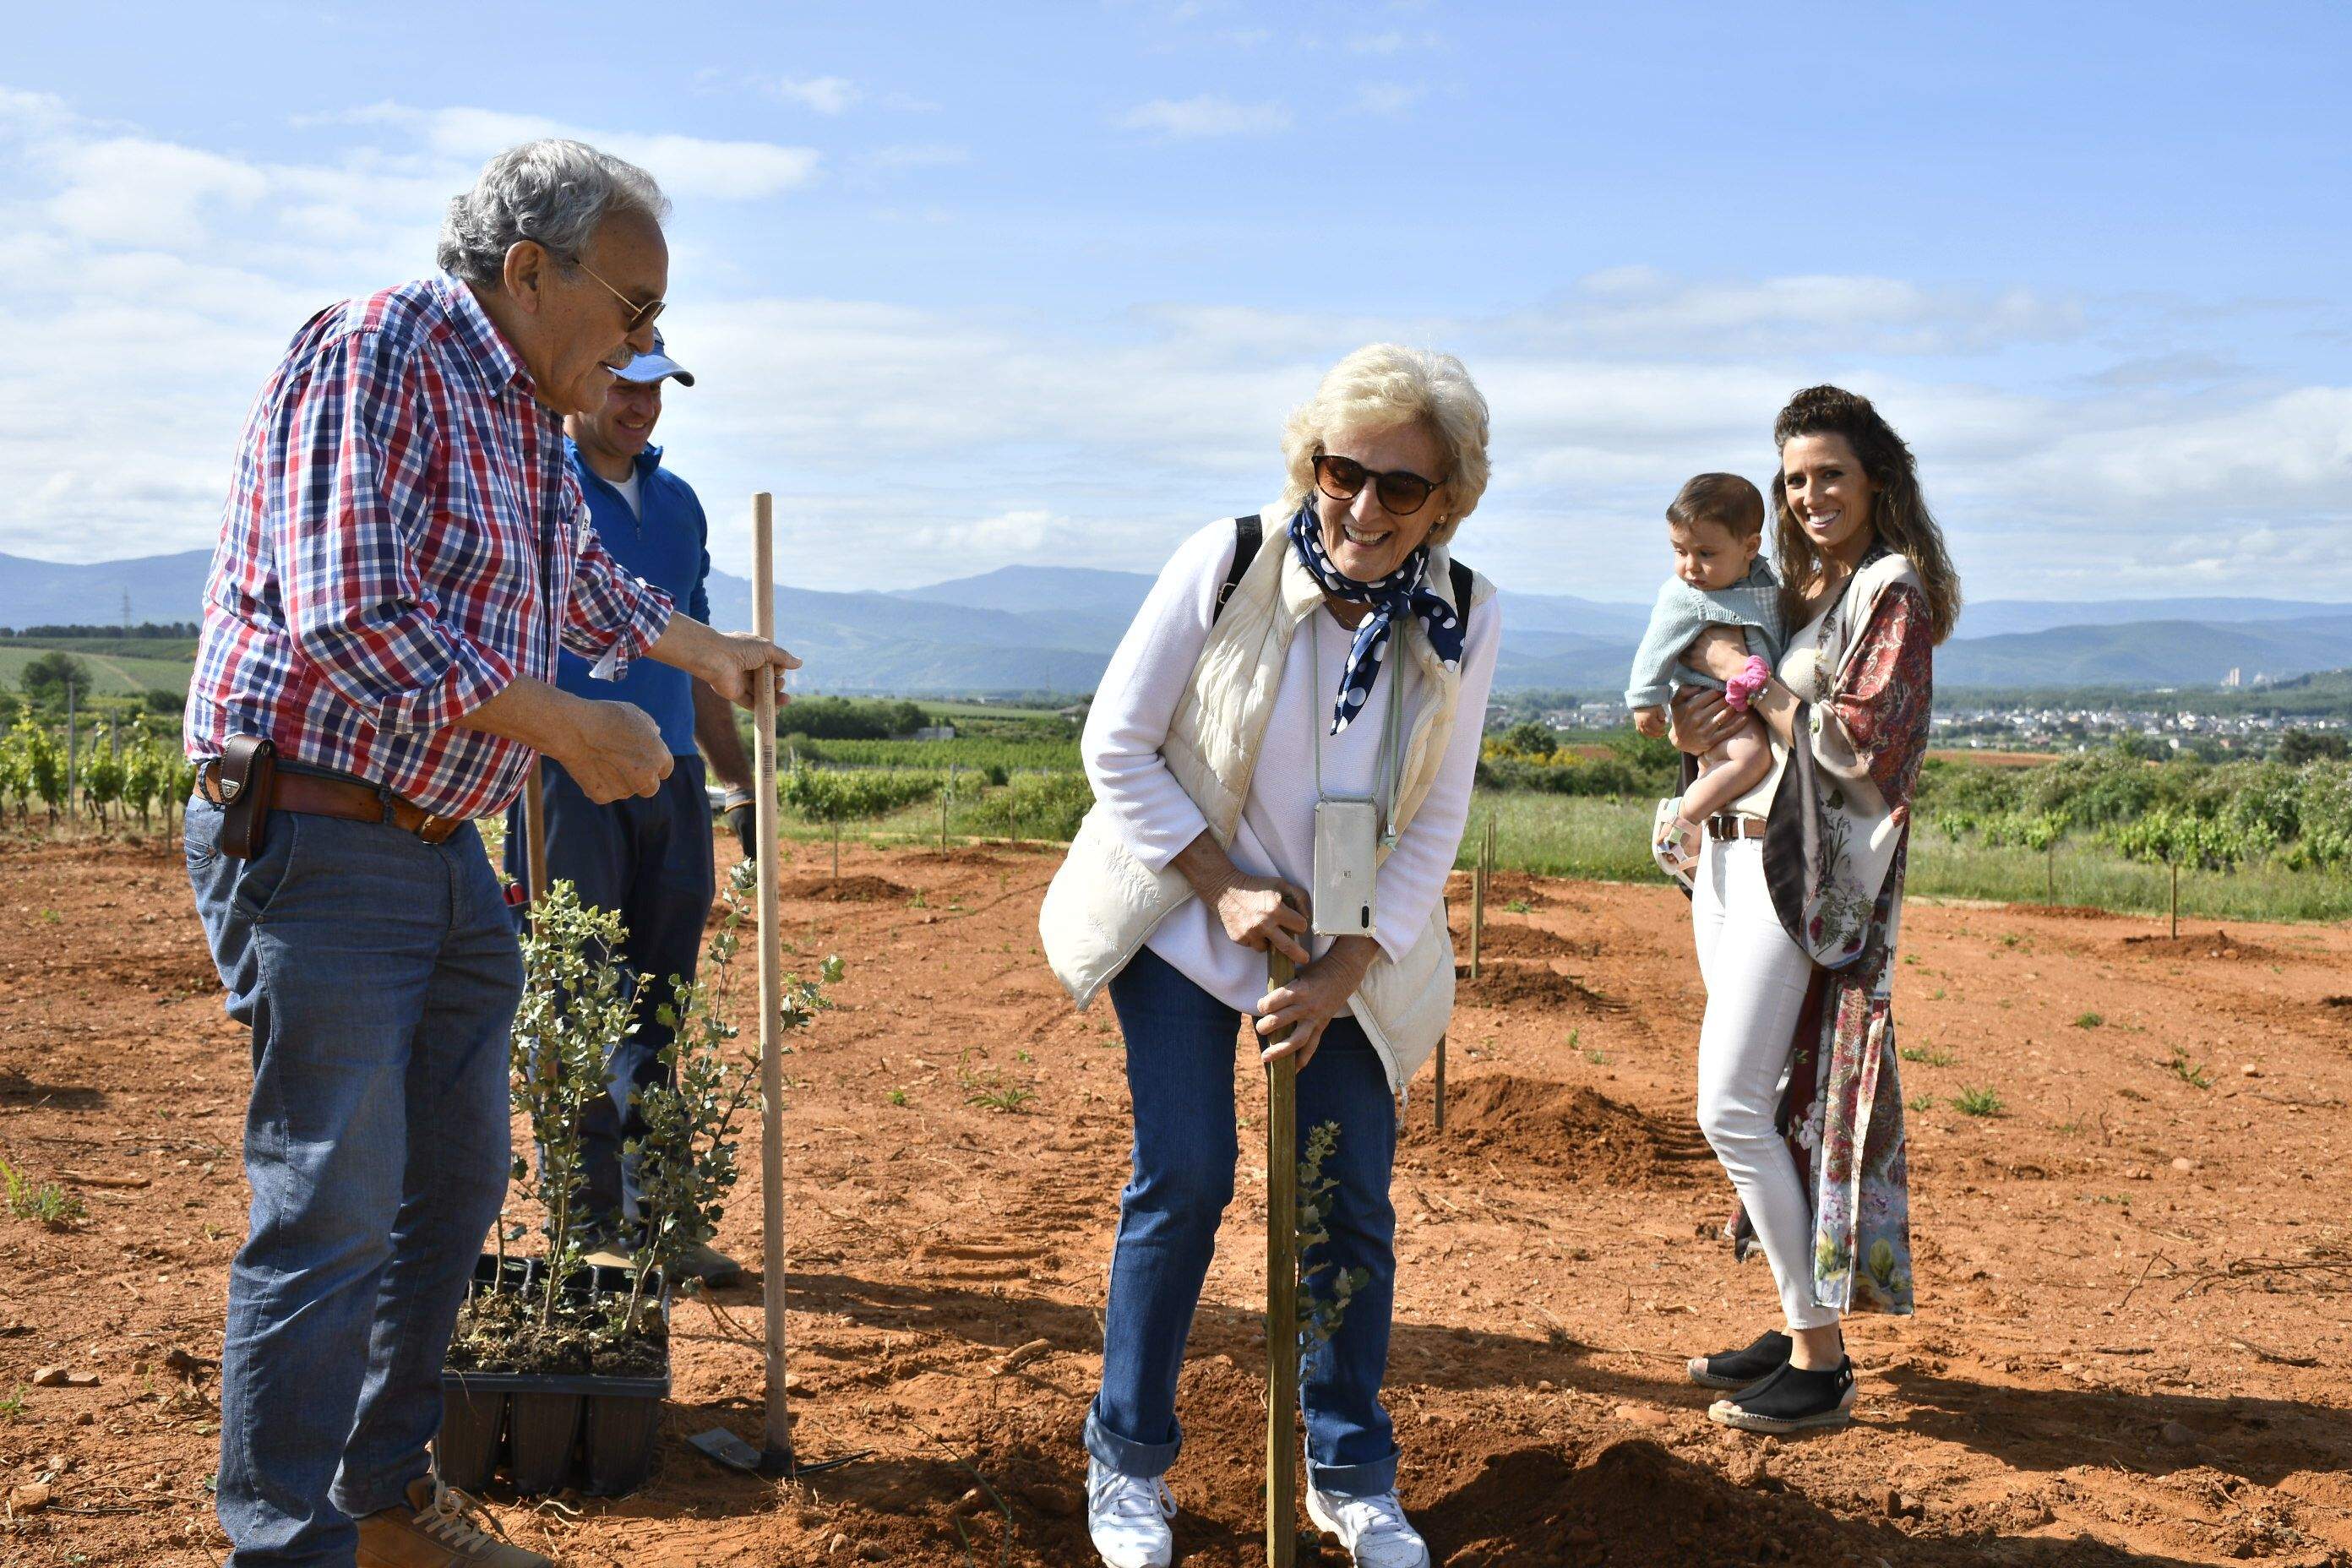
(1463, 580)
(1249, 532)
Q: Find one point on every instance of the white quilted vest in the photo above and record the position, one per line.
(1104, 904)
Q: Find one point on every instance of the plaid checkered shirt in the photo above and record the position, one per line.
(402, 540)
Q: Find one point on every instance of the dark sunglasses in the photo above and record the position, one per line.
(1401, 493)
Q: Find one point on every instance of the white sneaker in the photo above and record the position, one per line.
(1374, 1529)
(1128, 1518)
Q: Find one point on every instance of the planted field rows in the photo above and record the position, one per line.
(2130, 1189)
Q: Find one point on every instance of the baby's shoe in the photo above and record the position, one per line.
(1674, 842)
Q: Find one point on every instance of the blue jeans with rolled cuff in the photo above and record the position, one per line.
(649, 859)
(1181, 1048)
(379, 974)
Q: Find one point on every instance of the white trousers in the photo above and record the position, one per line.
(1756, 978)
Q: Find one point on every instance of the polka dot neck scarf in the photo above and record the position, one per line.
(1404, 591)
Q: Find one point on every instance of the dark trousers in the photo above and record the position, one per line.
(649, 859)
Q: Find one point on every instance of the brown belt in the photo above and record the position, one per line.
(351, 801)
(1732, 824)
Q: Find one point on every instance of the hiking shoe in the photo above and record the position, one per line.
(707, 1264)
(1374, 1529)
(437, 1529)
(1793, 1399)
(1737, 1369)
(1128, 1518)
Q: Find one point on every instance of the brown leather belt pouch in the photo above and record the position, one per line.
(248, 767)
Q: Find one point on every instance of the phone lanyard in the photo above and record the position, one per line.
(1390, 763)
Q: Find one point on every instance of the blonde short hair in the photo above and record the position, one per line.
(1383, 384)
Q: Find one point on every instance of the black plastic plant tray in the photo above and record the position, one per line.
(548, 1431)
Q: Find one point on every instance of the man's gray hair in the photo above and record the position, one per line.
(554, 191)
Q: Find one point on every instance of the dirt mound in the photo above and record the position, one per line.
(1582, 1134)
(1525, 942)
(1528, 985)
(846, 890)
(1503, 888)
(969, 855)
(1634, 1503)
(2219, 945)
(2064, 911)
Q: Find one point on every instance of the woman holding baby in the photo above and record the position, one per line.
(1797, 897)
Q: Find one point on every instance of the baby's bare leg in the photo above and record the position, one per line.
(1734, 766)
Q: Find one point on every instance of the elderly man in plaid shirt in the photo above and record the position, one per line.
(404, 548)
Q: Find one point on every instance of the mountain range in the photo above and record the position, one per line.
(1042, 628)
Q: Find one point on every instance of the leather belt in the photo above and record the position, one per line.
(1732, 824)
(345, 799)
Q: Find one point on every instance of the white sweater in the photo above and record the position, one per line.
(1275, 836)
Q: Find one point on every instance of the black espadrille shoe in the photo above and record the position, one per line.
(1793, 1399)
(1737, 1369)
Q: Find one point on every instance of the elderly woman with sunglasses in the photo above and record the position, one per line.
(1319, 697)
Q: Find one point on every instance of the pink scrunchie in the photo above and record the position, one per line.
(1741, 689)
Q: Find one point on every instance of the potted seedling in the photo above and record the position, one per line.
(558, 1370)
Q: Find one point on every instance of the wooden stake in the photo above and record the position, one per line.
(1441, 1083)
(1281, 1294)
(772, 988)
(534, 837)
(2176, 899)
(1477, 905)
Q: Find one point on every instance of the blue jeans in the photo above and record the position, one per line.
(649, 858)
(1181, 1044)
(379, 974)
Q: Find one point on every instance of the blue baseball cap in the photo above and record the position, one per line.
(653, 366)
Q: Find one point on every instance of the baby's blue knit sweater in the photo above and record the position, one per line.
(1683, 612)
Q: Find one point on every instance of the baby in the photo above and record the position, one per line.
(1717, 526)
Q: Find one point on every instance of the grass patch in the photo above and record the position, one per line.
(1977, 1102)
(2088, 1020)
(2193, 1074)
(1607, 840)
(39, 1203)
(989, 1090)
(1927, 1058)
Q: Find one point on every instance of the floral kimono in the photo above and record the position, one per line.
(1834, 851)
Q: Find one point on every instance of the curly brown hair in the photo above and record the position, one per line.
(1899, 512)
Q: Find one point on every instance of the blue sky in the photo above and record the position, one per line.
(968, 286)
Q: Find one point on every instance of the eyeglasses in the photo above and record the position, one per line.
(640, 316)
(1401, 493)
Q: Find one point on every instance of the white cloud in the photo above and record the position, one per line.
(153, 285)
(1208, 115)
(1392, 42)
(1022, 534)
(129, 191)
(1641, 308)
(1387, 97)
(909, 156)
(825, 94)
(687, 166)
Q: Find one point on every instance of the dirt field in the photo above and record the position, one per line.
(2135, 1290)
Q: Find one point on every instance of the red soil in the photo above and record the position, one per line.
(2135, 1294)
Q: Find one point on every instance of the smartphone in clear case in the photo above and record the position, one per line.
(1346, 865)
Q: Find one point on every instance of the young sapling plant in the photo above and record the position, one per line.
(685, 1159)
(1319, 1316)
(577, 1008)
